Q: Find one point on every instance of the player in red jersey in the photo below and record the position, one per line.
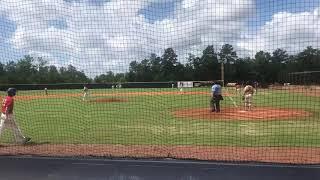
(7, 119)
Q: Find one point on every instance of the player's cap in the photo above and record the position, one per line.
(12, 91)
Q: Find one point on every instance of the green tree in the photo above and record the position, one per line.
(228, 56)
(189, 72)
(277, 66)
(308, 59)
(26, 70)
(43, 71)
(168, 65)
(53, 75)
(120, 77)
(105, 78)
(209, 64)
(3, 74)
(155, 65)
(262, 60)
(244, 70)
(145, 73)
(133, 70)
(10, 69)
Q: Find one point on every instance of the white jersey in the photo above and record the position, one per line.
(248, 90)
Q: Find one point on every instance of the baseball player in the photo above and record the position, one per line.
(238, 88)
(85, 92)
(46, 91)
(7, 119)
(181, 86)
(247, 96)
(216, 97)
(256, 84)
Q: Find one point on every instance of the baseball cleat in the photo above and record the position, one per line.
(26, 140)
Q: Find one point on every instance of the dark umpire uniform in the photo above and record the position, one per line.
(216, 97)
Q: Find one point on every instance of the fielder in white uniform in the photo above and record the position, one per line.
(247, 96)
(85, 92)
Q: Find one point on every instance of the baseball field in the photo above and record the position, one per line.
(283, 126)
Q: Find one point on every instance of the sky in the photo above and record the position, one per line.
(97, 36)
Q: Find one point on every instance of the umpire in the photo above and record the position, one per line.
(216, 97)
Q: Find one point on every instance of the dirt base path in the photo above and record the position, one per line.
(244, 154)
(115, 94)
(108, 100)
(261, 113)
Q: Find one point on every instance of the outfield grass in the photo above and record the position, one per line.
(149, 120)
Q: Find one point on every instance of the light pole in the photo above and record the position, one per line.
(222, 70)
(222, 73)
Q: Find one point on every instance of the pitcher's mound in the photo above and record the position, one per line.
(261, 113)
(108, 100)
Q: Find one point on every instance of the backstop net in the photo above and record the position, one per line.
(224, 80)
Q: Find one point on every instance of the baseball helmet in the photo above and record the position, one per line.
(217, 82)
(12, 91)
(249, 83)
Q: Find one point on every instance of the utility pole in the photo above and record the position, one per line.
(222, 69)
(222, 73)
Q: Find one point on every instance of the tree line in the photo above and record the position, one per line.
(29, 70)
(264, 67)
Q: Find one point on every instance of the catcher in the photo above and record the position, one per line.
(7, 119)
(247, 96)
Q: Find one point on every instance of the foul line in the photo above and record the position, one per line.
(234, 103)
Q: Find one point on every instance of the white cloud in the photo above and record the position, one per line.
(198, 23)
(111, 35)
(47, 57)
(187, 4)
(290, 31)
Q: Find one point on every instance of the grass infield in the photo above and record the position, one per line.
(145, 117)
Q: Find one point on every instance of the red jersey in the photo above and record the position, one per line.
(7, 104)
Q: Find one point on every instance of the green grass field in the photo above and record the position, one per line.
(149, 120)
